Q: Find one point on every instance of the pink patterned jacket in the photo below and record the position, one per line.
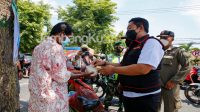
(48, 79)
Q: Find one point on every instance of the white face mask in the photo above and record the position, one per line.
(164, 42)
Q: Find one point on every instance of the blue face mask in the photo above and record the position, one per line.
(65, 42)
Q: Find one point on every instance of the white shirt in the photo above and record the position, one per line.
(151, 54)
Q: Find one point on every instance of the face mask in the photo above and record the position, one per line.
(164, 42)
(65, 42)
(130, 35)
(118, 50)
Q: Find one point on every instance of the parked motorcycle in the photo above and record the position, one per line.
(26, 64)
(83, 98)
(191, 77)
(107, 86)
(192, 93)
(99, 85)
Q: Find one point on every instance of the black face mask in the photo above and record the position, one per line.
(130, 36)
(118, 50)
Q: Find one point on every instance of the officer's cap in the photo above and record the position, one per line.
(118, 43)
(166, 33)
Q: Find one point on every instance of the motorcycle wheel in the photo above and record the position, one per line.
(99, 90)
(192, 94)
(184, 86)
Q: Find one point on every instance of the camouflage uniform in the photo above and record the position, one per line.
(174, 67)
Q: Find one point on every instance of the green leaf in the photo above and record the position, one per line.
(33, 18)
(93, 17)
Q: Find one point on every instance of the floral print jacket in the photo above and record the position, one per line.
(48, 78)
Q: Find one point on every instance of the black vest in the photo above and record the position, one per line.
(141, 83)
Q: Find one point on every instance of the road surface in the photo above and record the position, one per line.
(24, 96)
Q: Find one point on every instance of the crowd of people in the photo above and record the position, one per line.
(147, 70)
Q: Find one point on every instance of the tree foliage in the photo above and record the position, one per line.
(108, 47)
(33, 18)
(91, 18)
(186, 47)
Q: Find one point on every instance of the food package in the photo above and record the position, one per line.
(90, 69)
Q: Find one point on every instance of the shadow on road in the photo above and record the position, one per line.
(190, 103)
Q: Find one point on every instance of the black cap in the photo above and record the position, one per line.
(118, 43)
(166, 33)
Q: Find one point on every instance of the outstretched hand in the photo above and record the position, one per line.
(76, 71)
(107, 70)
(98, 63)
(81, 74)
(88, 75)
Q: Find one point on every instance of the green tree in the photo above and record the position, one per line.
(108, 46)
(195, 49)
(186, 47)
(33, 18)
(91, 18)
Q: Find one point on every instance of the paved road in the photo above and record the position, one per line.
(24, 96)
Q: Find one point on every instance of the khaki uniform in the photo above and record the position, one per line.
(174, 67)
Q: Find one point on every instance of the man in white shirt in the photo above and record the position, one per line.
(138, 74)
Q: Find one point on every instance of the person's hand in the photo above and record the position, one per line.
(98, 63)
(76, 71)
(107, 70)
(170, 85)
(87, 75)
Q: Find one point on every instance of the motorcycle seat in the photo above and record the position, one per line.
(88, 104)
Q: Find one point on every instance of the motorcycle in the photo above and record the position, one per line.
(191, 77)
(104, 86)
(83, 98)
(99, 85)
(192, 92)
(25, 62)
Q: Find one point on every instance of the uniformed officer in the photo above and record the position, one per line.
(137, 71)
(174, 66)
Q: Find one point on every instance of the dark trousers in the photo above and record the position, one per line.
(148, 103)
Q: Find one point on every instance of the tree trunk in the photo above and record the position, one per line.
(8, 73)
